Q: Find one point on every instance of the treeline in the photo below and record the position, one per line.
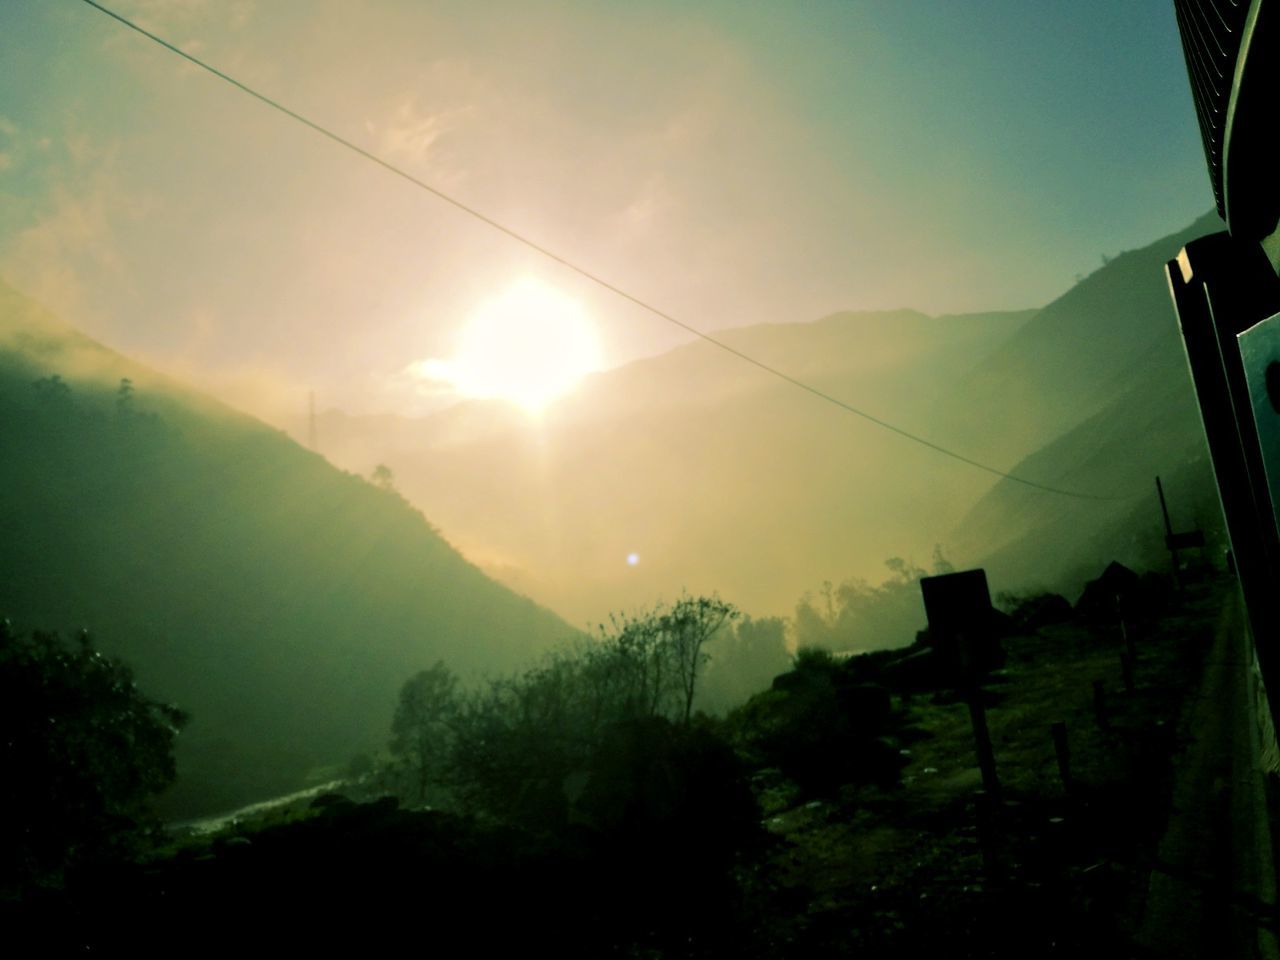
(56, 404)
(550, 746)
(857, 617)
(526, 747)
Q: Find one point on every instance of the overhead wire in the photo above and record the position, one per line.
(587, 274)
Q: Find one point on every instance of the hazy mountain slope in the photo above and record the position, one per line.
(1076, 357)
(1110, 347)
(719, 476)
(853, 353)
(280, 601)
(1030, 539)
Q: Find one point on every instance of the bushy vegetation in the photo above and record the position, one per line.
(598, 764)
(524, 748)
(422, 732)
(84, 753)
(819, 724)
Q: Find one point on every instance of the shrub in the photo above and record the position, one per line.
(83, 754)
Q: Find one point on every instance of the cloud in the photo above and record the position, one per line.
(422, 127)
(409, 132)
(70, 242)
(181, 15)
(212, 30)
(261, 388)
(421, 387)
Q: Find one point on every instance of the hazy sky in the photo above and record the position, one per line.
(730, 162)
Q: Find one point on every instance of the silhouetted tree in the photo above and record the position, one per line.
(53, 391)
(82, 753)
(686, 627)
(382, 477)
(422, 730)
(650, 664)
(124, 398)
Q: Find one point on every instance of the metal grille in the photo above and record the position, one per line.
(1211, 35)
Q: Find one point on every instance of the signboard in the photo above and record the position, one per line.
(1260, 351)
(956, 603)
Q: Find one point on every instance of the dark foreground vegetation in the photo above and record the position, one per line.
(83, 753)
(586, 808)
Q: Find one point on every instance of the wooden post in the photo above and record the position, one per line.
(1063, 751)
(978, 719)
(958, 607)
(1168, 535)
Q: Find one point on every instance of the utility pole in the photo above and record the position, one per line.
(1178, 541)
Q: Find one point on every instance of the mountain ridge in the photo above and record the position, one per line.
(279, 600)
(997, 387)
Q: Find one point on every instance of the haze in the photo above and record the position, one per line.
(732, 164)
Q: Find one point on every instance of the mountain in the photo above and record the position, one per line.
(1032, 540)
(279, 600)
(1077, 356)
(1102, 372)
(722, 477)
(715, 474)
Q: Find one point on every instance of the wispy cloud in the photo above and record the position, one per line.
(70, 242)
(182, 15)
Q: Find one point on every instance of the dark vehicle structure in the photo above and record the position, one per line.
(1226, 291)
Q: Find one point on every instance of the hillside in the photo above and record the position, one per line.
(1123, 416)
(1076, 357)
(1028, 539)
(280, 601)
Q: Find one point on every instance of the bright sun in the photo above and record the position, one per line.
(529, 345)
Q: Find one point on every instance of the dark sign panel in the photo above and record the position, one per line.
(956, 602)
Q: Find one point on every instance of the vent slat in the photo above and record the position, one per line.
(1211, 37)
(1205, 27)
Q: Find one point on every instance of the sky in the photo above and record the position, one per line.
(730, 163)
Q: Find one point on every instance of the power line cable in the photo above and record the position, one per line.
(587, 274)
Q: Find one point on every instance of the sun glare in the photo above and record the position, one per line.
(528, 345)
